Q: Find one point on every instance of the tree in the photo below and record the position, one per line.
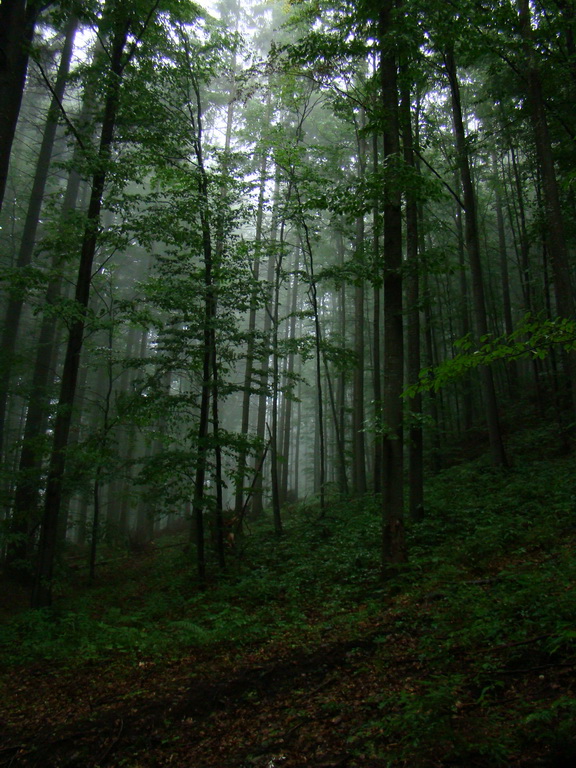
(393, 536)
(120, 18)
(473, 248)
(17, 22)
(554, 220)
(25, 253)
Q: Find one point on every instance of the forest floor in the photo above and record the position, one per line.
(467, 659)
(281, 705)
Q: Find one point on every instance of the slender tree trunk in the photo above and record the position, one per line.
(376, 336)
(313, 294)
(42, 592)
(415, 437)
(28, 486)
(104, 429)
(249, 371)
(208, 354)
(17, 22)
(525, 269)
(219, 252)
(274, 436)
(473, 248)
(358, 441)
(504, 275)
(339, 406)
(15, 303)
(393, 537)
(257, 496)
(288, 390)
(517, 220)
(219, 511)
(555, 236)
(464, 313)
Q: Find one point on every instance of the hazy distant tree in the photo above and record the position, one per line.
(120, 17)
(31, 222)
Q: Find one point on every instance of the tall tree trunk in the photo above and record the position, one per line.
(517, 220)
(288, 390)
(257, 496)
(376, 336)
(104, 435)
(15, 303)
(249, 370)
(504, 274)
(42, 591)
(274, 432)
(415, 437)
(219, 510)
(464, 312)
(473, 248)
(524, 240)
(209, 350)
(218, 254)
(555, 236)
(28, 485)
(339, 398)
(393, 536)
(17, 22)
(313, 295)
(358, 440)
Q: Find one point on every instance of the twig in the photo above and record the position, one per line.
(60, 106)
(533, 669)
(112, 743)
(443, 180)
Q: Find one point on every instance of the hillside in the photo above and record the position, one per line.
(300, 655)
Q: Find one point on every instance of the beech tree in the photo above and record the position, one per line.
(17, 22)
(119, 21)
(293, 233)
(25, 252)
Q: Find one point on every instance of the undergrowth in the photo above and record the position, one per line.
(488, 596)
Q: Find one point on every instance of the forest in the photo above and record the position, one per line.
(287, 383)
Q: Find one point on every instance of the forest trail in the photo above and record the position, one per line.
(269, 706)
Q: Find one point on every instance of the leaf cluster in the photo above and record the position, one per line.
(532, 338)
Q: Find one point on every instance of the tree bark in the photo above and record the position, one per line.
(257, 496)
(274, 431)
(555, 236)
(17, 22)
(393, 536)
(376, 335)
(358, 440)
(27, 493)
(42, 591)
(504, 275)
(415, 437)
(313, 295)
(286, 430)
(208, 354)
(249, 370)
(15, 304)
(473, 249)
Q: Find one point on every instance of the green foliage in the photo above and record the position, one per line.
(422, 720)
(487, 597)
(532, 338)
(23, 282)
